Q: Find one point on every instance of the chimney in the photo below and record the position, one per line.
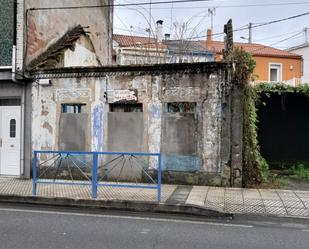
(167, 36)
(159, 30)
(209, 39)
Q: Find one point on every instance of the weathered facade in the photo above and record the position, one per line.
(184, 111)
(33, 31)
(49, 20)
(74, 101)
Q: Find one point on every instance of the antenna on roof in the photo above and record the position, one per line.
(212, 13)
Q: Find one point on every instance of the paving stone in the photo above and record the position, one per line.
(231, 200)
(297, 212)
(275, 210)
(273, 203)
(293, 203)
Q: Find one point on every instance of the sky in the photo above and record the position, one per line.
(136, 19)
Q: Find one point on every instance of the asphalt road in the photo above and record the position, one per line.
(35, 227)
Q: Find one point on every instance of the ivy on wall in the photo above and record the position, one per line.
(255, 167)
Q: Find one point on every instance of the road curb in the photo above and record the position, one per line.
(136, 206)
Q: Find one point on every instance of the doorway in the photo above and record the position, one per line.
(10, 137)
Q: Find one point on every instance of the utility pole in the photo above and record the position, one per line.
(212, 13)
(250, 33)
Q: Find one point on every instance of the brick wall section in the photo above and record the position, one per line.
(34, 43)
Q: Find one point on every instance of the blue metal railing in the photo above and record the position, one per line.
(93, 180)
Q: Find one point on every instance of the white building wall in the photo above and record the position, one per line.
(304, 52)
(20, 35)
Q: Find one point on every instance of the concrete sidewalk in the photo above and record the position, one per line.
(174, 198)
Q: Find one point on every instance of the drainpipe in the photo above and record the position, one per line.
(23, 97)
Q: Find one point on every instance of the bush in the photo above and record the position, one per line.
(300, 171)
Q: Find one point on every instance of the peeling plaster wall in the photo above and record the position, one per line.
(98, 110)
(210, 131)
(44, 27)
(46, 108)
(83, 54)
(212, 113)
(44, 125)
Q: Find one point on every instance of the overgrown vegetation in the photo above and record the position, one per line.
(300, 171)
(255, 167)
(282, 88)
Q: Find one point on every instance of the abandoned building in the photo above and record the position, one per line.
(73, 100)
(184, 111)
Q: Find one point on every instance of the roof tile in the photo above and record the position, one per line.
(145, 42)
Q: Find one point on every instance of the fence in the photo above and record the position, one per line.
(97, 169)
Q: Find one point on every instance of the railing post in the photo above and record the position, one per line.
(159, 179)
(94, 175)
(34, 162)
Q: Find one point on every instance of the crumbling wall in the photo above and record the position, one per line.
(45, 26)
(198, 146)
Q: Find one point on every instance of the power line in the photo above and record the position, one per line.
(275, 43)
(238, 6)
(275, 36)
(259, 25)
(120, 5)
(281, 20)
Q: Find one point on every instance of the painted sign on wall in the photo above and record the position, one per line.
(122, 96)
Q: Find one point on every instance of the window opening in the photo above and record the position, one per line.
(182, 107)
(12, 128)
(9, 102)
(275, 72)
(126, 107)
(73, 108)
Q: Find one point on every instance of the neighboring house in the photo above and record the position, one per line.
(272, 64)
(138, 50)
(303, 50)
(134, 50)
(15, 97)
(184, 51)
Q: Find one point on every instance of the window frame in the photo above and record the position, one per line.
(13, 125)
(278, 66)
(78, 107)
(168, 109)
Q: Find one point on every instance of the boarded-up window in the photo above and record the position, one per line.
(126, 107)
(73, 128)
